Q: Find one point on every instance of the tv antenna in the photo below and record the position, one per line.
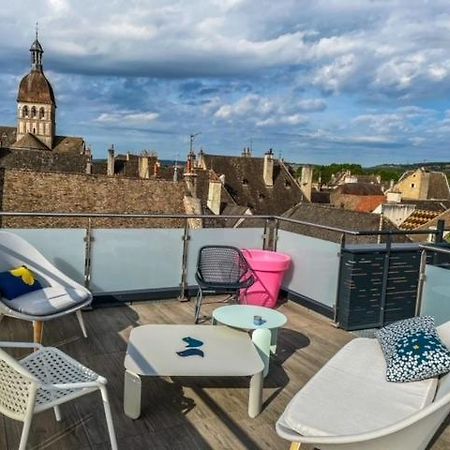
(191, 140)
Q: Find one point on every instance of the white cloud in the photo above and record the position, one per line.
(127, 118)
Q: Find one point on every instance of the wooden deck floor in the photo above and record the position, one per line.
(181, 414)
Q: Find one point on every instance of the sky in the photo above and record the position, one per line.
(319, 81)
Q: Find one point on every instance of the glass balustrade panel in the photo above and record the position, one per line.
(65, 248)
(237, 237)
(436, 294)
(130, 260)
(314, 270)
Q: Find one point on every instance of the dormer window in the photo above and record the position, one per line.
(261, 197)
(244, 182)
(287, 184)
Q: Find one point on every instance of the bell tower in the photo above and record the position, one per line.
(36, 106)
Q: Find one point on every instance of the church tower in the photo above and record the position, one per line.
(36, 109)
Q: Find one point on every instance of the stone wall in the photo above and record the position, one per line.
(29, 191)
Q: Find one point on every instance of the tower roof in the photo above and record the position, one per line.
(35, 88)
(36, 46)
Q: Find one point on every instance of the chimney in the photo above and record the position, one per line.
(156, 168)
(306, 181)
(268, 168)
(201, 164)
(89, 163)
(110, 163)
(214, 193)
(191, 183)
(175, 174)
(143, 168)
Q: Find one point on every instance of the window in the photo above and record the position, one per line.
(25, 111)
(41, 113)
(244, 182)
(412, 185)
(261, 197)
(287, 184)
(33, 111)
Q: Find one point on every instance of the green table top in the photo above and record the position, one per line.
(242, 316)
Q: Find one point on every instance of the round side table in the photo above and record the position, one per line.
(242, 317)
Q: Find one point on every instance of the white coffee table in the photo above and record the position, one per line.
(242, 317)
(152, 351)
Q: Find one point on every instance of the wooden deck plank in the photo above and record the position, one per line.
(182, 413)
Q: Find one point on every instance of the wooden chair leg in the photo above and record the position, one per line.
(300, 446)
(38, 330)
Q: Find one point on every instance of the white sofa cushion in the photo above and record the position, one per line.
(48, 301)
(350, 395)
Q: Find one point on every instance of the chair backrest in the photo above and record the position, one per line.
(221, 264)
(16, 386)
(16, 251)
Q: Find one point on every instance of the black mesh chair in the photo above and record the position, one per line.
(221, 269)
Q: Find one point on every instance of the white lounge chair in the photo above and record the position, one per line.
(43, 380)
(60, 294)
(349, 405)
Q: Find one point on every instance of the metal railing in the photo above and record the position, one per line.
(269, 238)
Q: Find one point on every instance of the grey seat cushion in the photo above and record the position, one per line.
(47, 301)
(350, 395)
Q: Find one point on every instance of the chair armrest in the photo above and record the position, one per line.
(58, 387)
(7, 344)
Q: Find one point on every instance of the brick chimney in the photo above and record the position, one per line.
(110, 163)
(214, 193)
(306, 181)
(268, 168)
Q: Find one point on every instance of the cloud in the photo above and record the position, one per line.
(127, 118)
(367, 74)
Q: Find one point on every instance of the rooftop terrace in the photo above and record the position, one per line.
(130, 265)
(187, 413)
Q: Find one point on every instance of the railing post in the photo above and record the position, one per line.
(387, 261)
(88, 239)
(271, 234)
(422, 280)
(339, 280)
(440, 227)
(184, 259)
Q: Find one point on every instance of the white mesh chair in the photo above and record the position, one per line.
(43, 380)
(60, 294)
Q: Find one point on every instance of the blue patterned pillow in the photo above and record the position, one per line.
(413, 350)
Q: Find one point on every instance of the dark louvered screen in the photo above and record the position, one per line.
(361, 286)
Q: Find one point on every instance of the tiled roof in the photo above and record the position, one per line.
(359, 189)
(35, 88)
(438, 187)
(245, 184)
(68, 144)
(338, 218)
(30, 141)
(429, 205)
(8, 136)
(418, 218)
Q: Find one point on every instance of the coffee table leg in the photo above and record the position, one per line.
(261, 338)
(273, 340)
(255, 394)
(132, 395)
